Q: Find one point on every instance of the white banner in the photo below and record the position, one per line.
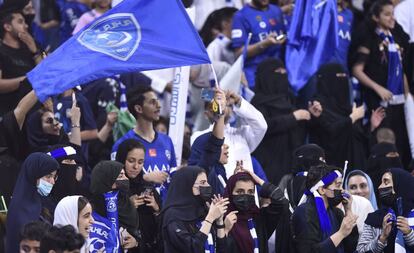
(178, 110)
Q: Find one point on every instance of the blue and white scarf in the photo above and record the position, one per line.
(209, 246)
(324, 222)
(253, 233)
(395, 81)
(62, 152)
(399, 239)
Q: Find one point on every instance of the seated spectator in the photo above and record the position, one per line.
(248, 227)
(61, 239)
(77, 212)
(32, 234)
(142, 194)
(385, 135)
(286, 124)
(318, 226)
(36, 180)
(185, 226)
(389, 224)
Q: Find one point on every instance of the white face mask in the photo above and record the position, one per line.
(44, 188)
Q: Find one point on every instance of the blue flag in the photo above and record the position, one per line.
(312, 39)
(136, 35)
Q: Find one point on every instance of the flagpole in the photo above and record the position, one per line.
(215, 76)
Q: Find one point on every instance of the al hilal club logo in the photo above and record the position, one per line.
(117, 35)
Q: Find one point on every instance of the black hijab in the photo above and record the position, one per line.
(181, 204)
(37, 138)
(104, 175)
(379, 163)
(272, 88)
(333, 89)
(26, 203)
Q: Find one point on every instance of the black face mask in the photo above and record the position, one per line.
(29, 19)
(243, 202)
(336, 199)
(386, 196)
(122, 185)
(205, 193)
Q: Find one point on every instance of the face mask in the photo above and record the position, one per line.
(243, 202)
(29, 19)
(122, 185)
(205, 192)
(386, 196)
(337, 198)
(44, 188)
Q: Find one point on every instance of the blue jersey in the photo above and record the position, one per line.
(345, 18)
(159, 155)
(260, 24)
(70, 12)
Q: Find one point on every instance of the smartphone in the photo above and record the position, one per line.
(207, 94)
(280, 37)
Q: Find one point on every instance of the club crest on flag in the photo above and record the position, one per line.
(117, 35)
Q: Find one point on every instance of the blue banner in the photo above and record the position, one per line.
(136, 35)
(103, 236)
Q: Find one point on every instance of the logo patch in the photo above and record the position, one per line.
(262, 25)
(168, 154)
(117, 35)
(152, 152)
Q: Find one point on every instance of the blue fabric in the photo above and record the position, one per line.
(103, 236)
(127, 38)
(345, 19)
(159, 155)
(312, 39)
(395, 81)
(70, 12)
(209, 248)
(260, 24)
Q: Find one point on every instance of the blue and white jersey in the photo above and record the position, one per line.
(260, 24)
(345, 18)
(159, 155)
(70, 12)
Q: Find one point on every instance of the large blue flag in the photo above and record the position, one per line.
(135, 35)
(312, 39)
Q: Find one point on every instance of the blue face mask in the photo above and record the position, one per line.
(44, 188)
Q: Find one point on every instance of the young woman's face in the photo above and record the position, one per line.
(358, 185)
(201, 180)
(50, 125)
(85, 221)
(386, 181)
(386, 19)
(243, 187)
(50, 178)
(134, 162)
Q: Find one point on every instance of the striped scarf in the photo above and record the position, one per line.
(399, 239)
(209, 244)
(395, 81)
(253, 233)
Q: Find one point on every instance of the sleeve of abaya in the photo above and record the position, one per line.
(271, 215)
(335, 127)
(221, 245)
(185, 241)
(307, 236)
(254, 123)
(281, 123)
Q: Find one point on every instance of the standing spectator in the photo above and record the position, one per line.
(70, 13)
(248, 227)
(265, 22)
(345, 21)
(187, 226)
(160, 158)
(75, 211)
(18, 55)
(46, 23)
(32, 234)
(286, 123)
(339, 130)
(380, 71)
(318, 226)
(101, 6)
(143, 195)
(36, 179)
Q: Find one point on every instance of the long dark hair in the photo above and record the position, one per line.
(214, 22)
(82, 202)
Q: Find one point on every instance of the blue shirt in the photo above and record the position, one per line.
(345, 18)
(159, 155)
(260, 24)
(70, 12)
